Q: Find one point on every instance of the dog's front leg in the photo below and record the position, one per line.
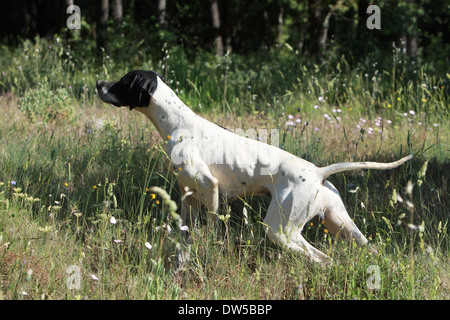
(190, 207)
(204, 186)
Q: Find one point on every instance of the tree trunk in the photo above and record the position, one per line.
(361, 28)
(162, 5)
(102, 25)
(324, 32)
(216, 25)
(117, 13)
(280, 25)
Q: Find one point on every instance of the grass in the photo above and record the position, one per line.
(75, 190)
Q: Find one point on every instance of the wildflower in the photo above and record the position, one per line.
(398, 99)
(316, 129)
(94, 187)
(13, 182)
(320, 98)
(389, 106)
(354, 190)
(113, 220)
(298, 120)
(118, 241)
(147, 189)
(311, 224)
(350, 109)
(290, 123)
(20, 67)
(424, 100)
(169, 137)
(290, 117)
(389, 121)
(187, 194)
(409, 187)
(157, 201)
(153, 196)
(316, 106)
(412, 112)
(148, 245)
(94, 277)
(179, 169)
(66, 184)
(184, 228)
(325, 230)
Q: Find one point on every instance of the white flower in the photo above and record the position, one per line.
(94, 277)
(290, 123)
(184, 228)
(148, 245)
(113, 220)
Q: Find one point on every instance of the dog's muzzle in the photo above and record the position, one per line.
(104, 92)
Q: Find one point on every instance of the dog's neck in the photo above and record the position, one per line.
(167, 112)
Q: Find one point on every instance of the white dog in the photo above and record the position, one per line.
(215, 164)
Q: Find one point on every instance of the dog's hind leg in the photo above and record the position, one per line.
(287, 234)
(337, 220)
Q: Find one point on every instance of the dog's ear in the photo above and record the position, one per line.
(160, 76)
(143, 85)
(138, 91)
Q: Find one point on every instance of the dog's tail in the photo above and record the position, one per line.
(347, 166)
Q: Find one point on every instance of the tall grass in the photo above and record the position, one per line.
(76, 199)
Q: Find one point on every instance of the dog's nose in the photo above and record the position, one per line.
(100, 84)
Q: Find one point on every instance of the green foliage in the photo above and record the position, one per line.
(45, 105)
(61, 186)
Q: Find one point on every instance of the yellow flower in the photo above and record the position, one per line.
(147, 189)
(169, 137)
(389, 106)
(311, 224)
(66, 184)
(325, 230)
(157, 201)
(399, 99)
(179, 168)
(153, 196)
(94, 187)
(424, 100)
(350, 109)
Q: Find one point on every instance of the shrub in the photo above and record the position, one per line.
(46, 105)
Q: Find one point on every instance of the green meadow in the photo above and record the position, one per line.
(79, 218)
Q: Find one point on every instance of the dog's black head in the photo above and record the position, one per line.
(134, 89)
